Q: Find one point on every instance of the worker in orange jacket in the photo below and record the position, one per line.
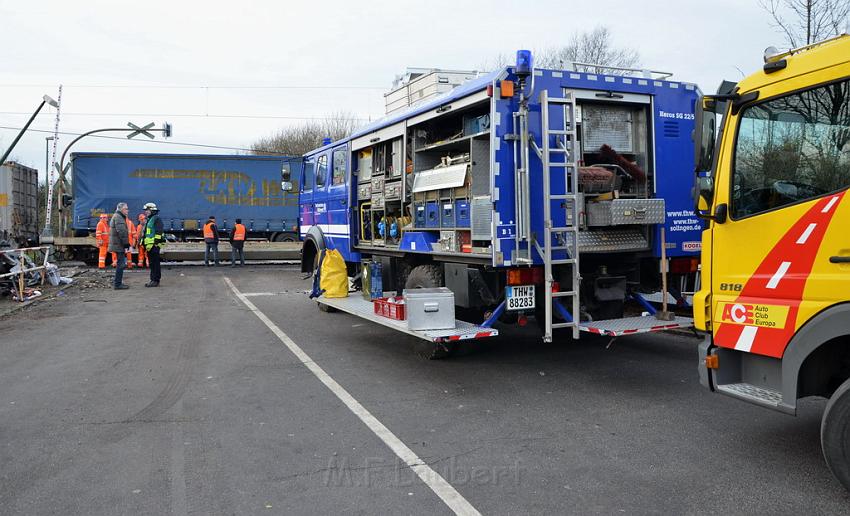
(131, 233)
(140, 235)
(101, 236)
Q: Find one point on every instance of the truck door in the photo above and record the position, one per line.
(338, 200)
(781, 251)
(308, 179)
(320, 192)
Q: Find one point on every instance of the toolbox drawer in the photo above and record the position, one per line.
(364, 192)
(462, 213)
(447, 214)
(419, 214)
(621, 212)
(432, 214)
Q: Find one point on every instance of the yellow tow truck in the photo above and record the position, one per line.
(774, 151)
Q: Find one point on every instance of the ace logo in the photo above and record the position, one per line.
(741, 314)
(768, 316)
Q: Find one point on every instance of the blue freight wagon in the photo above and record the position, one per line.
(188, 188)
(557, 194)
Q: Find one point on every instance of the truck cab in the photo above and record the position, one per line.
(775, 287)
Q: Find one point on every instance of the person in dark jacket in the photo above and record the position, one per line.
(119, 243)
(211, 240)
(153, 238)
(237, 241)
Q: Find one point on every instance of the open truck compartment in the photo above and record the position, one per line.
(563, 183)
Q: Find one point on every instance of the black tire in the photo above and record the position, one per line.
(284, 237)
(835, 434)
(425, 276)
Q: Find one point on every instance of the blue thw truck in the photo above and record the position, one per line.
(188, 188)
(526, 192)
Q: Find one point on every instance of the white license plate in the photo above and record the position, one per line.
(520, 297)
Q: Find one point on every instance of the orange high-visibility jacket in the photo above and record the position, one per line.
(102, 233)
(238, 232)
(208, 232)
(131, 232)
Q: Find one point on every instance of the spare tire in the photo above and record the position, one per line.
(425, 276)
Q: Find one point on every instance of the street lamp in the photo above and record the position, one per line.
(44, 100)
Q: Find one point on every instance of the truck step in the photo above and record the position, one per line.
(633, 325)
(563, 261)
(563, 325)
(561, 229)
(565, 293)
(753, 394)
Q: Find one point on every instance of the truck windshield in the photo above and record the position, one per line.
(791, 149)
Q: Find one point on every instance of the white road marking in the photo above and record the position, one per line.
(774, 281)
(455, 501)
(829, 205)
(255, 294)
(745, 341)
(807, 233)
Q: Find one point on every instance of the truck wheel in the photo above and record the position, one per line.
(425, 276)
(284, 237)
(835, 434)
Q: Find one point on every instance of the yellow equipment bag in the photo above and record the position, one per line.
(333, 276)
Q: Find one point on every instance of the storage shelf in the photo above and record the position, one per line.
(451, 143)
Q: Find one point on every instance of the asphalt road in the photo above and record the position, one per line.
(181, 400)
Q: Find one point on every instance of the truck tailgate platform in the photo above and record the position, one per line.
(356, 305)
(633, 325)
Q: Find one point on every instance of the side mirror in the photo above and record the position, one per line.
(705, 188)
(705, 136)
(286, 178)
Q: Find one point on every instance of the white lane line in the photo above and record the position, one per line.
(807, 233)
(829, 205)
(745, 341)
(774, 281)
(432, 479)
(255, 294)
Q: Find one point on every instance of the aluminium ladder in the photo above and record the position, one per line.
(558, 156)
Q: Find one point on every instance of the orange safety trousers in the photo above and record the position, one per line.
(129, 260)
(143, 257)
(101, 257)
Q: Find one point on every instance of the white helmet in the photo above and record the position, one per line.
(151, 206)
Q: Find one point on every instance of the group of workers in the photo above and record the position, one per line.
(119, 236)
(236, 238)
(135, 234)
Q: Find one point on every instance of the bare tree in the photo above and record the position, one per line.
(803, 22)
(300, 139)
(594, 46)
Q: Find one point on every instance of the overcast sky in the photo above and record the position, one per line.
(226, 73)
